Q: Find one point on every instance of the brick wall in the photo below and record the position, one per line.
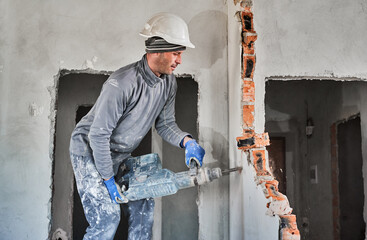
(255, 143)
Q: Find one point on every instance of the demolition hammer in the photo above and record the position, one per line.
(143, 177)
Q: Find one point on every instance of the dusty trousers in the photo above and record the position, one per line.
(101, 213)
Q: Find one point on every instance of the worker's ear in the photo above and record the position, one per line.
(152, 56)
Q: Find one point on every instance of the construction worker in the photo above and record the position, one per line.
(132, 99)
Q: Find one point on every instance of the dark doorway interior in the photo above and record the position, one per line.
(179, 211)
(313, 172)
(74, 89)
(79, 221)
(351, 191)
(276, 152)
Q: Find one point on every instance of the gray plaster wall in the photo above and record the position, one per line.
(288, 105)
(308, 38)
(38, 38)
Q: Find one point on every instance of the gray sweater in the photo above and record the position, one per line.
(132, 99)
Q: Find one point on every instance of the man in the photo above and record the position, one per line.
(132, 99)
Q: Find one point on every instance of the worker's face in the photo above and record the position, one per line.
(168, 61)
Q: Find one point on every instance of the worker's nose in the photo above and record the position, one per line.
(178, 60)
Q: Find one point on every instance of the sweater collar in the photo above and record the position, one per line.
(150, 78)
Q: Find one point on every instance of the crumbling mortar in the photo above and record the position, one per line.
(53, 90)
(278, 204)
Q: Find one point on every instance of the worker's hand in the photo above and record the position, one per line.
(115, 191)
(194, 152)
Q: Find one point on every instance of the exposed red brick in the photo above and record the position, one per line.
(259, 161)
(289, 230)
(252, 140)
(248, 66)
(248, 43)
(272, 190)
(279, 204)
(262, 139)
(248, 91)
(247, 18)
(248, 112)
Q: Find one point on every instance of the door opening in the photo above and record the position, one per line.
(74, 89)
(302, 111)
(276, 152)
(351, 189)
(79, 221)
(77, 92)
(180, 212)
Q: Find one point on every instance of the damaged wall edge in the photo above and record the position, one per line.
(53, 91)
(255, 143)
(313, 78)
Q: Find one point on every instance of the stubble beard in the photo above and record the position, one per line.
(164, 65)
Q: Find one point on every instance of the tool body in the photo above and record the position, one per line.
(143, 177)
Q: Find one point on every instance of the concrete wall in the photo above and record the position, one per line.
(309, 38)
(288, 105)
(40, 37)
(304, 40)
(295, 38)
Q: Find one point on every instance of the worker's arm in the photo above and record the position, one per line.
(109, 108)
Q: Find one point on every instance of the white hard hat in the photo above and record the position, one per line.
(168, 26)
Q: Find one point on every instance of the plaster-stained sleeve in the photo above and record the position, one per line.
(166, 122)
(108, 110)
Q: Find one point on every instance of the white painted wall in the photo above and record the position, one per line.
(40, 37)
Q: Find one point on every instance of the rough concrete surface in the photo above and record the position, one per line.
(38, 38)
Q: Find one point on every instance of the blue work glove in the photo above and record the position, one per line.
(115, 191)
(194, 152)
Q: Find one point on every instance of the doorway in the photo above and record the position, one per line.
(302, 112)
(276, 151)
(74, 90)
(77, 92)
(350, 179)
(179, 211)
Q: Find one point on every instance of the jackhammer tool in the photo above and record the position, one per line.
(143, 177)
